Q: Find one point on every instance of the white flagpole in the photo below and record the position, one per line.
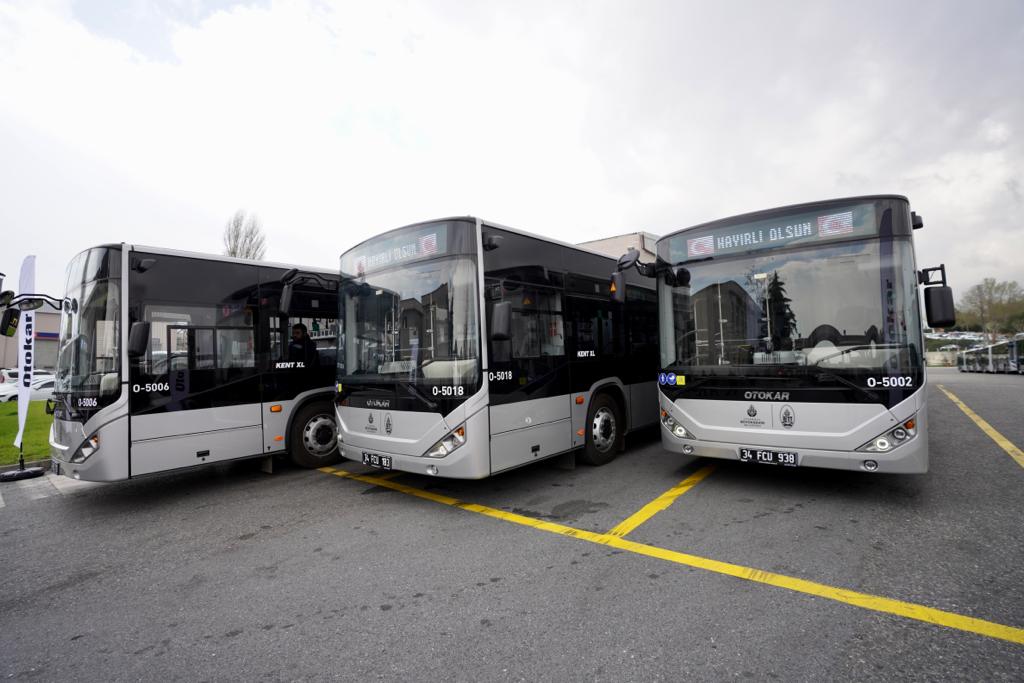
(26, 347)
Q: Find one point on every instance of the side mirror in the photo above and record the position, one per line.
(9, 323)
(501, 321)
(286, 300)
(138, 339)
(6, 296)
(681, 276)
(938, 306)
(628, 260)
(617, 287)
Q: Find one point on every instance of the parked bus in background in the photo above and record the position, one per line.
(975, 360)
(169, 360)
(792, 337)
(471, 349)
(1002, 357)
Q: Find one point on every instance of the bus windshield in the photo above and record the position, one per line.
(843, 309)
(413, 323)
(89, 356)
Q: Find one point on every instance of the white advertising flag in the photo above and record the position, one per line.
(26, 346)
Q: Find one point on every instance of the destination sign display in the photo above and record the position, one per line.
(393, 250)
(782, 231)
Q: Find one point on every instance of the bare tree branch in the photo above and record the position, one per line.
(243, 237)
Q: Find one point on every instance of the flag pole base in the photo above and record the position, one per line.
(26, 473)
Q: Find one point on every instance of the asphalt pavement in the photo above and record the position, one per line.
(227, 573)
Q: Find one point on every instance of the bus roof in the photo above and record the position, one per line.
(791, 208)
(226, 259)
(487, 223)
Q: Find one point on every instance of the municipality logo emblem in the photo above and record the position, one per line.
(370, 418)
(387, 424)
(787, 417)
(752, 411)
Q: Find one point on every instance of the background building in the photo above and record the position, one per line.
(619, 244)
(47, 326)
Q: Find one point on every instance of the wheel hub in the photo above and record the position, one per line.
(319, 435)
(603, 429)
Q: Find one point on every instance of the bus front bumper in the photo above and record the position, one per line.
(909, 458)
(459, 465)
(108, 461)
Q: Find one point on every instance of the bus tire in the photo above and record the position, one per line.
(313, 439)
(605, 431)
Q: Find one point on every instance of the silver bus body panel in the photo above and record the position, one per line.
(168, 441)
(276, 424)
(842, 428)
(111, 424)
(522, 446)
(508, 417)
(464, 463)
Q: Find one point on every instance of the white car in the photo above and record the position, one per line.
(10, 375)
(42, 389)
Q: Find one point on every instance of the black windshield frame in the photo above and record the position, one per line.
(414, 364)
(832, 322)
(89, 369)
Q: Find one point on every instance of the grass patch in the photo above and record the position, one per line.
(37, 432)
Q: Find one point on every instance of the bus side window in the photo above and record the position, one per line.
(315, 312)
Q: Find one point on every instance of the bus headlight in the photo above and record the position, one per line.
(897, 436)
(671, 425)
(91, 445)
(448, 444)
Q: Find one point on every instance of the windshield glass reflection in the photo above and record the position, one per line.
(89, 348)
(416, 323)
(845, 307)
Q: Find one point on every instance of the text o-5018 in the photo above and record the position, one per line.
(449, 391)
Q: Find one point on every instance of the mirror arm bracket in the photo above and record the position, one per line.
(924, 276)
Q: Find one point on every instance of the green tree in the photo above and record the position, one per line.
(994, 306)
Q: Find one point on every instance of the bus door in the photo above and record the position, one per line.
(596, 351)
(195, 392)
(528, 376)
(302, 355)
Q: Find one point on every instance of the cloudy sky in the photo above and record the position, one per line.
(152, 122)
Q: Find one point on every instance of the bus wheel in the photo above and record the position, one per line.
(604, 431)
(314, 436)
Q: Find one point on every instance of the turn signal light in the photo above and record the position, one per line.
(910, 424)
(276, 408)
(580, 432)
(278, 438)
(579, 400)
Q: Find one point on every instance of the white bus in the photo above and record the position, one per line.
(471, 349)
(169, 360)
(793, 337)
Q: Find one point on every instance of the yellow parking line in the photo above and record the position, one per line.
(875, 603)
(660, 503)
(1004, 443)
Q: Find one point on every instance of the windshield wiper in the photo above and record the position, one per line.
(853, 385)
(862, 347)
(413, 391)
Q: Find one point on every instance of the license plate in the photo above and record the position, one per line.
(763, 456)
(381, 462)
